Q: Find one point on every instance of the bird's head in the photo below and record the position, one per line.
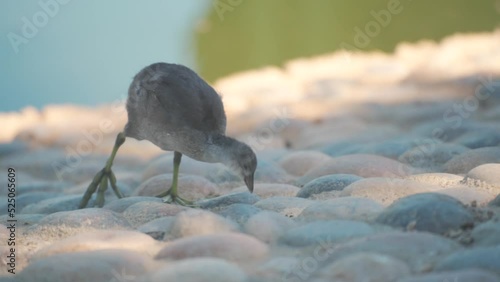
(244, 161)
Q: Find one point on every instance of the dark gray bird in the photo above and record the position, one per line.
(175, 109)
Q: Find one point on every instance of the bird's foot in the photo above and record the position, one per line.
(100, 183)
(173, 198)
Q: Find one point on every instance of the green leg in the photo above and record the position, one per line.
(100, 181)
(171, 195)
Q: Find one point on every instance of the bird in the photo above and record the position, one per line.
(171, 106)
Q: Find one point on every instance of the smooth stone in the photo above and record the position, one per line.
(270, 172)
(101, 240)
(299, 162)
(58, 204)
(361, 165)
(12, 148)
(287, 206)
(332, 231)
(102, 265)
(191, 187)
(488, 173)
(466, 275)
(239, 213)
(214, 172)
(267, 190)
(120, 205)
(495, 202)
(432, 157)
(228, 199)
(349, 208)
(230, 246)
(199, 222)
(198, 270)
(30, 186)
(444, 180)
(366, 267)
(479, 138)
(157, 228)
(429, 212)
(466, 161)
(326, 183)
(486, 258)
(143, 212)
(67, 223)
(268, 226)
(26, 199)
(277, 269)
(487, 233)
(23, 220)
(420, 250)
(386, 190)
(468, 195)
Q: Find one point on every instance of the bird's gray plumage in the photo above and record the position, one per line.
(182, 110)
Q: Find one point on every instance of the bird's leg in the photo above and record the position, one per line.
(100, 181)
(171, 195)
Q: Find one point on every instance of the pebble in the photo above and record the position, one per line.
(429, 212)
(472, 275)
(466, 161)
(487, 233)
(267, 190)
(299, 162)
(331, 231)
(433, 156)
(326, 183)
(229, 246)
(361, 165)
(386, 190)
(143, 212)
(487, 173)
(349, 208)
(420, 250)
(239, 213)
(366, 267)
(199, 222)
(57, 204)
(191, 187)
(120, 205)
(268, 226)
(287, 206)
(101, 265)
(60, 225)
(270, 172)
(486, 258)
(101, 240)
(198, 270)
(277, 269)
(157, 228)
(228, 199)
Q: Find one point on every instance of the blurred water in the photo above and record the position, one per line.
(86, 52)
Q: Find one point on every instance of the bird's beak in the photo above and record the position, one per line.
(249, 182)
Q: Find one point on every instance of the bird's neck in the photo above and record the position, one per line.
(218, 149)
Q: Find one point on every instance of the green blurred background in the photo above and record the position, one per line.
(255, 33)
